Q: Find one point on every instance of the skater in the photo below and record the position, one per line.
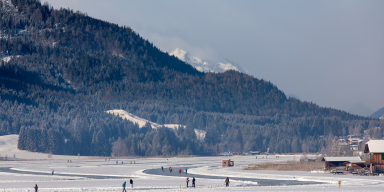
(53, 171)
(179, 171)
(186, 170)
(36, 188)
(162, 169)
(187, 180)
(131, 182)
(170, 169)
(227, 182)
(124, 186)
(193, 182)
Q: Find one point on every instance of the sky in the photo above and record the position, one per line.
(327, 52)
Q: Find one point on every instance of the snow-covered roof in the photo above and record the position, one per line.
(356, 161)
(375, 146)
(354, 158)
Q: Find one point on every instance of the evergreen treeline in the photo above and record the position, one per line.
(66, 69)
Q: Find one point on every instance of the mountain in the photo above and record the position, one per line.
(60, 71)
(205, 66)
(378, 114)
(360, 109)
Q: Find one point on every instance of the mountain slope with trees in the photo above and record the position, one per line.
(61, 70)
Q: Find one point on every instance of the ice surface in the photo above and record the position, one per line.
(99, 174)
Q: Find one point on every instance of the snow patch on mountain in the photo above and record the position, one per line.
(200, 134)
(205, 66)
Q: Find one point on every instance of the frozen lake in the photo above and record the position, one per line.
(103, 175)
(97, 174)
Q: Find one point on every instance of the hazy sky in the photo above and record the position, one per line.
(328, 52)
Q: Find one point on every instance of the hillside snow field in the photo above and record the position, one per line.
(200, 134)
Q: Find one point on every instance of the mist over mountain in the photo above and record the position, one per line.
(61, 71)
(205, 66)
(293, 96)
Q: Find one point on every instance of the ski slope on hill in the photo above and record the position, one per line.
(200, 134)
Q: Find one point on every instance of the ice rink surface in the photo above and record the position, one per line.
(99, 174)
(104, 175)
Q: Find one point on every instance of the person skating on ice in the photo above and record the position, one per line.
(124, 187)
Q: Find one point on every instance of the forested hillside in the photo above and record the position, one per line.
(61, 70)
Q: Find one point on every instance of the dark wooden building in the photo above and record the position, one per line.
(375, 148)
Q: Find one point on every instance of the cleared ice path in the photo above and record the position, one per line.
(252, 181)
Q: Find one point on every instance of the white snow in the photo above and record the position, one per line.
(205, 66)
(141, 122)
(133, 118)
(99, 174)
(78, 175)
(7, 59)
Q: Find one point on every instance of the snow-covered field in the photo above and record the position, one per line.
(99, 174)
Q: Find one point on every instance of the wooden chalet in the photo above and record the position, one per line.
(375, 148)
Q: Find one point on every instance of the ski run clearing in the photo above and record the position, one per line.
(200, 134)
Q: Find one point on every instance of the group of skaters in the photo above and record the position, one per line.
(124, 184)
(170, 170)
(122, 162)
(131, 183)
(193, 179)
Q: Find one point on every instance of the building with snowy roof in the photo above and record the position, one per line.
(375, 148)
